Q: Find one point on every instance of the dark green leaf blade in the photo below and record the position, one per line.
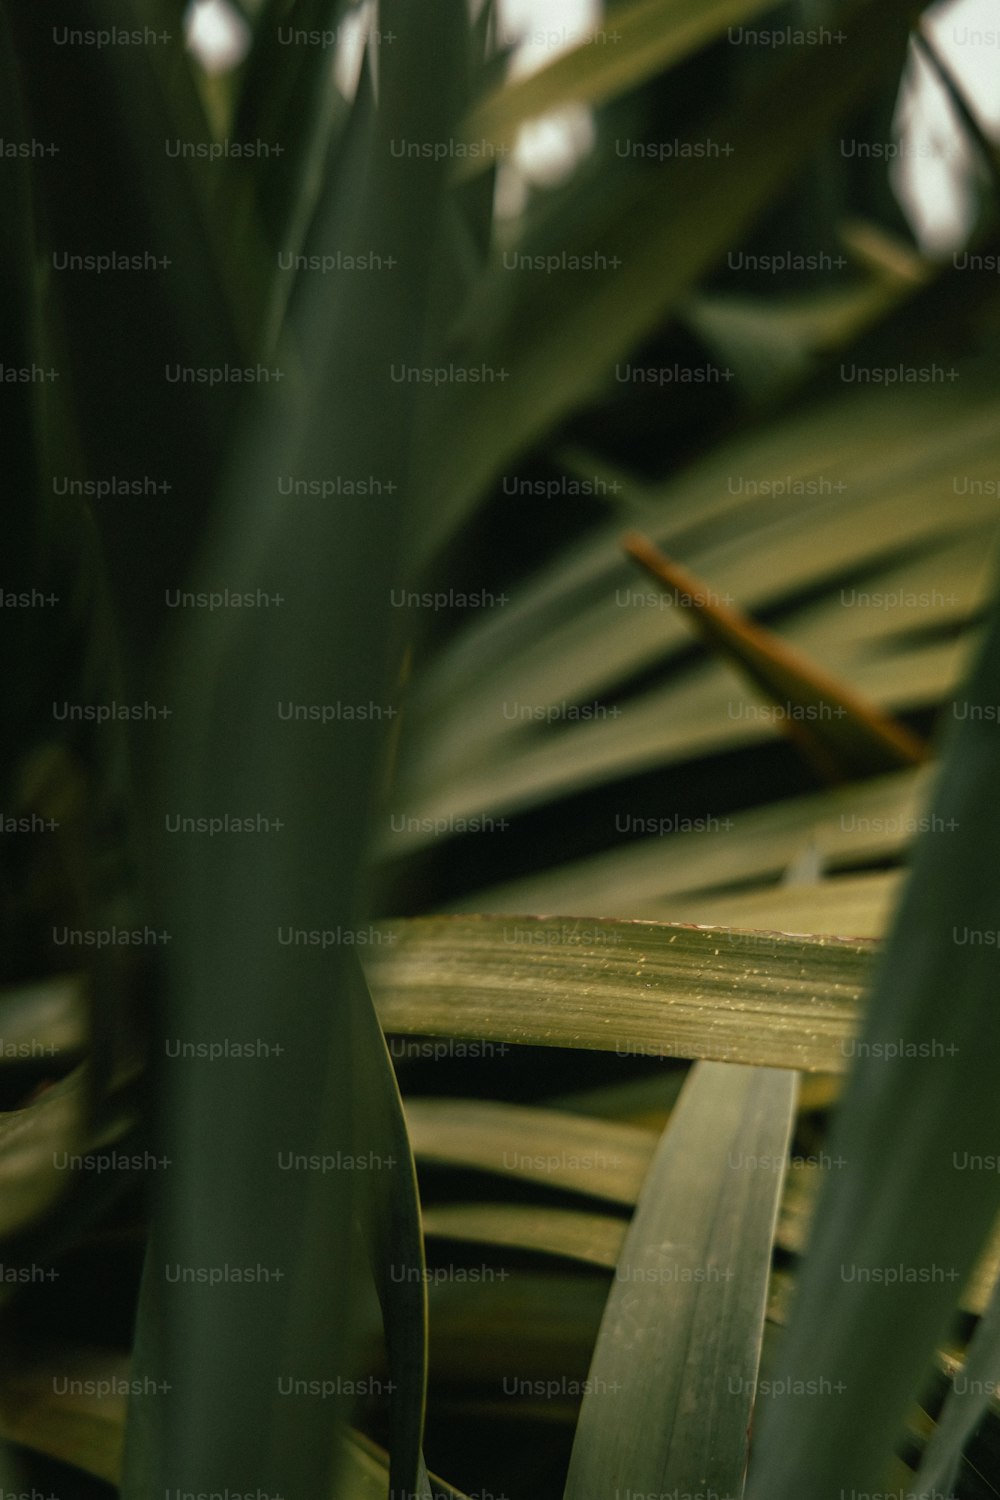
(646, 37)
(544, 349)
(881, 1280)
(672, 1382)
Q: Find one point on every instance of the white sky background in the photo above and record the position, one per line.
(930, 178)
(933, 187)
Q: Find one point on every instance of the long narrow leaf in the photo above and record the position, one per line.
(881, 1281)
(659, 233)
(701, 992)
(967, 1403)
(235, 1189)
(674, 1375)
(642, 38)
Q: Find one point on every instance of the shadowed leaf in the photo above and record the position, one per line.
(843, 737)
(880, 1282)
(672, 1381)
(641, 39)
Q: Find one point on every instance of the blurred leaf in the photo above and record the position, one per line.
(855, 506)
(593, 1238)
(329, 172)
(672, 1381)
(36, 1144)
(84, 1428)
(198, 308)
(862, 742)
(546, 348)
(880, 1282)
(82, 1423)
(299, 106)
(646, 37)
(855, 905)
(285, 102)
(614, 1171)
(983, 1282)
(20, 309)
(395, 1241)
(572, 748)
(851, 826)
(645, 1101)
(41, 1021)
(774, 344)
(228, 972)
(529, 1325)
(564, 1151)
(964, 1408)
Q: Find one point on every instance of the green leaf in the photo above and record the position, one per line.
(43, 1021)
(848, 826)
(468, 1134)
(673, 1378)
(867, 519)
(227, 1197)
(569, 1152)
(532, 1324)
(595, 1239)
(708, 713)
(200, 310)
(774, 344)
(84, 1428)
(35, 1144)
(395, 1241)
(964, 1408)
(859, 905)
(299, 106)
(746, 997)
(881, 1281)
(547, 349)
(646, 37)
